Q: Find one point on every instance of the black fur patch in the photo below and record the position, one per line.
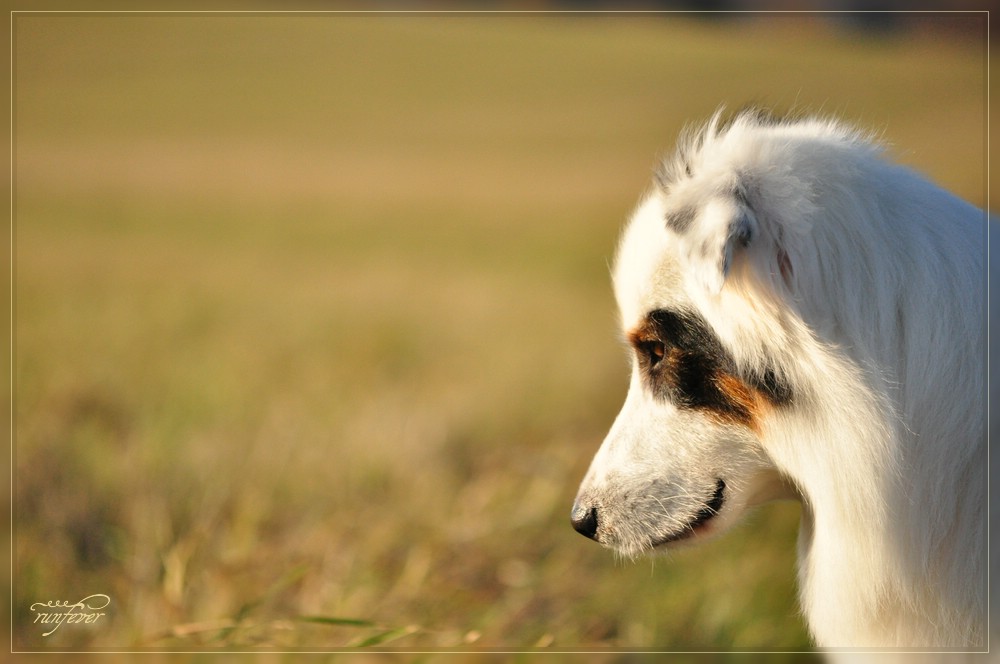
(682, 361)
(682, 219)
(777, 391)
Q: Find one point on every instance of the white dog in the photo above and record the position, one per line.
(807, 319)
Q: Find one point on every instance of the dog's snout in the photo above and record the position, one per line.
(584, 520)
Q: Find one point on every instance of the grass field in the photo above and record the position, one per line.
(313, 332)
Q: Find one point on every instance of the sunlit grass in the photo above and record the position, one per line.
(314, 336)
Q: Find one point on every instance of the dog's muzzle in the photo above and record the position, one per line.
(586, 520)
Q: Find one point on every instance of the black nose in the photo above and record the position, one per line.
(585, 521)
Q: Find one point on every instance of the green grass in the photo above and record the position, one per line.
(314, 339)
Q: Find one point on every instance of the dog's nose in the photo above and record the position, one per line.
(584, 520)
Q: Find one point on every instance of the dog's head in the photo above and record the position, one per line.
(706, 283)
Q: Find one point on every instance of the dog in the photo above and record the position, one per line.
(806, 319)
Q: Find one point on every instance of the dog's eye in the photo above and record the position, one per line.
(653, 350)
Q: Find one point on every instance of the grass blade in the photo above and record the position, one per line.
(331, 620)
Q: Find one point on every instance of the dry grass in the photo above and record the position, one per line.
(313, 335)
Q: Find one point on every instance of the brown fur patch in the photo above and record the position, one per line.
(750, 405)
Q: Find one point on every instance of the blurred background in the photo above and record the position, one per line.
(313, 331)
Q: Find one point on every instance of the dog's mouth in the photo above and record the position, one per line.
(702, 517)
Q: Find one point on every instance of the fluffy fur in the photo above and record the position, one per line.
(807, 319)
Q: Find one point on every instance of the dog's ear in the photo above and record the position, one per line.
(722, 230)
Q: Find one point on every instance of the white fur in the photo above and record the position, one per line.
(862, 286)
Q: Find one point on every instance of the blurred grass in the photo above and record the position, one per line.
(314, 339)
